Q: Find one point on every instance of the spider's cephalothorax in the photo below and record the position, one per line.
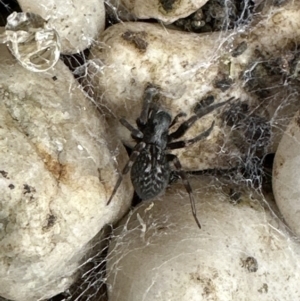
(150, 159)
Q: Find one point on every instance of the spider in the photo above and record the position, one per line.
(150, 159)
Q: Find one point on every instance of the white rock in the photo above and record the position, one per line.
(117, 10)
(164, 10)
(187, 67)
(286, 176)
(134, 54)
(56, 175)
(77, 22)
(241, 252)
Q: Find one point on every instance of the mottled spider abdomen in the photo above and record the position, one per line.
(150, 172)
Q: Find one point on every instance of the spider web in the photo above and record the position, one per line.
(251, 126)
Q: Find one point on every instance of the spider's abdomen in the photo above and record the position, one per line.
(150, 172)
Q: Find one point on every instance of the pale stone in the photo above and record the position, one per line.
(186, 67)
(164, 10)
(241, 253)
(77, 22)
(286, 177)
(134, 54)
(57, 172)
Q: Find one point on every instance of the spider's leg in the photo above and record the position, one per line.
(184, 143)
(202, 111)
(188, 123)
(149, 93)
(133, 156)
(186, 183)
(175, 120)
(182, 128)
(137, 134)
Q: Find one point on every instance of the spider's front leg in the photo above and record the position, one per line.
(136, 151)
(135, 133)
(184, 143)
(176, 118)
(198, 114)
(150, 91)
(186, 183)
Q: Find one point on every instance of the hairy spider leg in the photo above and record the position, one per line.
(186, 183)
(136, 151)
(184, 143)
(149, 93)
(188, 123)
(176, 118)
(135, 133)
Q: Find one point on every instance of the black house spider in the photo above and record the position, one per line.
(149, 161)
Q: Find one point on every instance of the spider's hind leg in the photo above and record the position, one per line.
(136, 151)
(186, 183)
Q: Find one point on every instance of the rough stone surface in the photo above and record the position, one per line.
(57, 172)
(188, 68)
(164, 10)
(78, 23)
(134, 54)
(241, 253)
(286, 177)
